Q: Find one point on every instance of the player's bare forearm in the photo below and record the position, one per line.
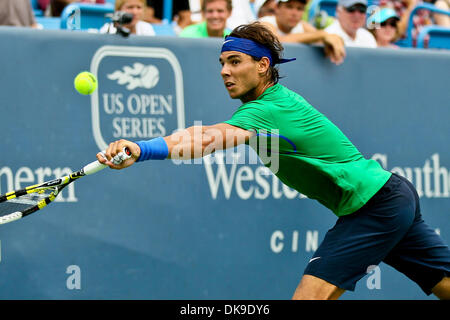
(186, 144)
(199, 141)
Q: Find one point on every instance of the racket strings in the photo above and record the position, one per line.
(24, 202)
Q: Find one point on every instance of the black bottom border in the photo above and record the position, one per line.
(225, 309)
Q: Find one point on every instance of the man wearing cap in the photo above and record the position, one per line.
(378, 212)
(288, 25)
(350, 22)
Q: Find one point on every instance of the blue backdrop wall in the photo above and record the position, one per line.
(210, 229)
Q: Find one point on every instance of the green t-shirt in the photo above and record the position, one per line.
(199, 31)
(315, 157)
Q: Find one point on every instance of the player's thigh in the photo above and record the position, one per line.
(313, 288)
(422, 256)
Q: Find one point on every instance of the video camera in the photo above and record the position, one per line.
(120, 18)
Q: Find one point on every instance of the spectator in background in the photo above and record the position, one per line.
(287, 24)
(196, 10)
(215, 13)
(403, 8)
(181, 13)
(265, 8)
(17, 13)
(43, 4)
(54, 8)
(383, 25)
(421, 18)
(350, 23)
(242, 13)
(150, 13)
(137, 26)
(442, 19)
(424, 18)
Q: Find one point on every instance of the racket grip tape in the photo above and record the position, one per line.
(96, 166)
(93, 167)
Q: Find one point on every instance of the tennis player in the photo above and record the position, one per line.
(379, 213)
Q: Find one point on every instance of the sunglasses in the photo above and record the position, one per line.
(360, 9)
(391, 23)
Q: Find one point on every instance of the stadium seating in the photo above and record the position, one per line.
(49, 23)
(37, 11)
(437, 35)
(434, 37)
(84, 16)
(167, 11)
(164, 29)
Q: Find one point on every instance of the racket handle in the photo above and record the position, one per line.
(93, 167)
(122, 156)
(96, 166)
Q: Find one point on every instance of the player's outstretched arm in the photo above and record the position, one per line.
(190, 143)
(199, 141)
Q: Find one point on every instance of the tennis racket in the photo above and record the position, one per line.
(21, 203)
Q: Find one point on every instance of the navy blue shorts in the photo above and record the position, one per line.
(388, 228)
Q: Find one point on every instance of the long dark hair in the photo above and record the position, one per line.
(257, 32)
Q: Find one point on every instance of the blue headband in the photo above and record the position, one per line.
(251, 48)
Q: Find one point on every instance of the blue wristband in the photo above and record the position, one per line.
(155, 149)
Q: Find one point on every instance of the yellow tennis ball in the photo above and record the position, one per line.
(85, 83)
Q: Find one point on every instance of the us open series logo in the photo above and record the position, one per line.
(139, 96)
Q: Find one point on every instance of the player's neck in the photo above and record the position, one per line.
(256, 92)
